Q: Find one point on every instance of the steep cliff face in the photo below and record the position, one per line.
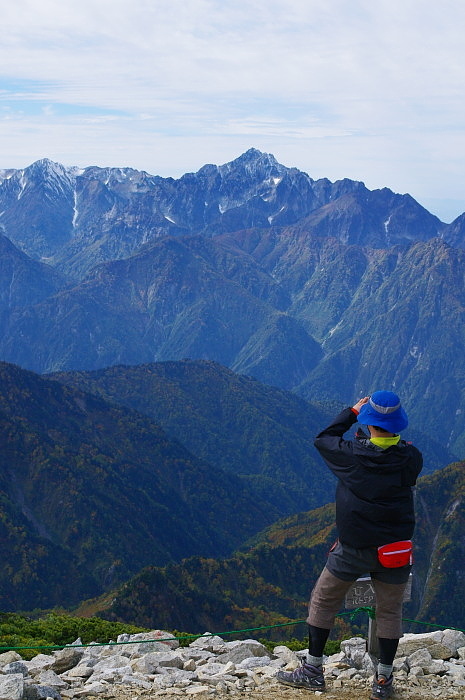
(37, 207)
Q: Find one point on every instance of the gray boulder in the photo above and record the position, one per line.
(50, 678)
(454, 640)
(354, 650)
(39, 663)
(238, 651)
(66, 658)
(8, 657)
(209, 642)
(12, 686)
(40, 692)
(16, 667)
(146, 642)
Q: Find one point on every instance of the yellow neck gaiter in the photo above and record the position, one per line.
(385, 442)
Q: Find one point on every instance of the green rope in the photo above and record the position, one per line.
(369, 610)
(148, 641)
(433, 624)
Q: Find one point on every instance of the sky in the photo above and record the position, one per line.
(370, 90)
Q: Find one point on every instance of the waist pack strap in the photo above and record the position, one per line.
(396, 554)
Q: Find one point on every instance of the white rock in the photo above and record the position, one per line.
(110, 662)
(286, 656)
(41, 662)
(456, 670)
(189, 665)
(198, 689)
(411, 642)
(8, 657)
(146, 664)
(440, 651)
(238, 651)
(420, 657)
(212, 669)
(229, 667)
(80, 671)
(355, 650)
(219, 678)
(348, 673)
(254, 662)
(209, 642)
(91, 689)
(179, 677)
(400, 664)
(416, 671)
(454, 640)
(12, 686)
(111, 675)
(145, 642)
(269, 672)
(49, 677)
(16, 667)
(136, 682)
(436, 668)
(168, 659)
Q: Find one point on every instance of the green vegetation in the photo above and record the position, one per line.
(269, 582)
(91, 492)
(31, 636)
(260, 433)
(56, 630)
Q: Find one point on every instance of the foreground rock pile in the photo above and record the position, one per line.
(142, 664)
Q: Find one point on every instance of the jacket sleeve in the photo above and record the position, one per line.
(330, 443)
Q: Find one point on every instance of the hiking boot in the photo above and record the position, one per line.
(382, 688)
(306, 676)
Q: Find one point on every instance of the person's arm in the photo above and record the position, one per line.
(330, 443)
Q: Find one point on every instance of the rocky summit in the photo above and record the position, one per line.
(153, 664)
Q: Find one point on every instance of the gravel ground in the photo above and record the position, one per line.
(275, 691)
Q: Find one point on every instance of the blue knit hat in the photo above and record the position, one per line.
(384, 410)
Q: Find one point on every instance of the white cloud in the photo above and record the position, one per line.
(368, 90)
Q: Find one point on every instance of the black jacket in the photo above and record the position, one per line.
(374, 496)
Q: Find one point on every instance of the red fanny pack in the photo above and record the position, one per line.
(396, 554)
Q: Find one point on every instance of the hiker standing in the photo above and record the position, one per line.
(374, 509)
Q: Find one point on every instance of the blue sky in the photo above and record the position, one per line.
(372, 90)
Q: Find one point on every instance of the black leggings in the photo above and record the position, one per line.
(318, 636)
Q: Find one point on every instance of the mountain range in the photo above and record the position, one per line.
(334, 292)
(75, 218)
(196, 333)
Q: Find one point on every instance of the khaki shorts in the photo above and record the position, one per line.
(329, 592)
(349, 564)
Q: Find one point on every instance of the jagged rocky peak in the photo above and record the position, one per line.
(255, 163)
(46, 169)
(113, 176)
